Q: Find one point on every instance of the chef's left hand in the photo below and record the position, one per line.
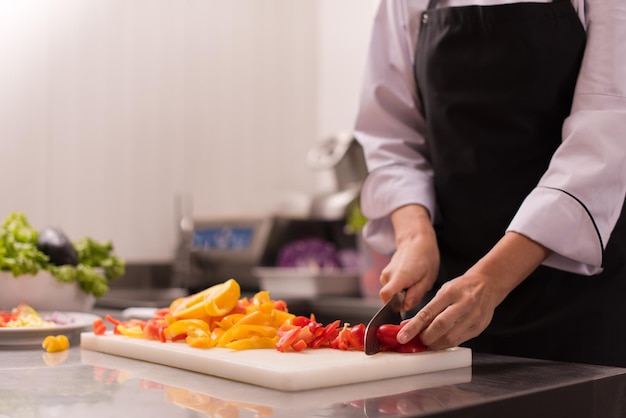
(464, 306)
(461, 310)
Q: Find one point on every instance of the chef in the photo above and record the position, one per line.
(495, 138)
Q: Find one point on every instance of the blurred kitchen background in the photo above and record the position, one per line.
(121, 118)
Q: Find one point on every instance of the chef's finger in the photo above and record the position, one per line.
(414, 291)
(393, 283)
(415, 294)
(388, 290)
(456, 324)
(421, 320)
(453, 337)
(425, 316)
(445, 331)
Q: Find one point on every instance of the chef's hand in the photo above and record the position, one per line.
(415, 263)
(464, 306)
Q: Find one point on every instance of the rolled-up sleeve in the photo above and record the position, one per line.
(579, 199)
(390, 127)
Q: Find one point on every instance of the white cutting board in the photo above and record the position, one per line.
(289, 371)
(241, 393)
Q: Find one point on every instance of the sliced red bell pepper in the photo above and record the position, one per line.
(99, 327)
(299, 345)
(111, 319)
(356, 337)
(287, 338)
(154, 329)
(301, 321)
(329, 333)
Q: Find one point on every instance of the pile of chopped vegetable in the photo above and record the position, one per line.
(219, 317)
(23, 316)
(87, 262)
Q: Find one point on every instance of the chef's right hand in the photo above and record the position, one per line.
(415, 264)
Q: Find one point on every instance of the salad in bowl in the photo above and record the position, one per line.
(46, 270)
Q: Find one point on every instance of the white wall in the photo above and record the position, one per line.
(109, 109)
(343, 36)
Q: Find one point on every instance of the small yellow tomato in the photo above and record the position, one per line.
(54, 344)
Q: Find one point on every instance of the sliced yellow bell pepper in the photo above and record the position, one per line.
(217, 333)
(260, 297)
(200, 338)
(273, 318)
(255, 318)
(133, 331)
(243, 331)
(266, 307)
(229, 320)
(184, 326)
(253, 342)
(281, 317)
(216, 300)
(222, 299)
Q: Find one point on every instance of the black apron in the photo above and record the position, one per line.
(496, 83)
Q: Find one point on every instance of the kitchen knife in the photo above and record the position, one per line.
(390, 313)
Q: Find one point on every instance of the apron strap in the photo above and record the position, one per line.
(432, 4)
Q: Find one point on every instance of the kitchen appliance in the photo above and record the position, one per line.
(223, 248)
(287, 371)
(215, 249)
(343, 156)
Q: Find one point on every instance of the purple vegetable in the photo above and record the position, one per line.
(59, 318)
(309, 252)
(57, 246)
(349, 259)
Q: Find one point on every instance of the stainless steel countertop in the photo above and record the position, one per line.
(82, 383)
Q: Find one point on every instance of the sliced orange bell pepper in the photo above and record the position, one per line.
(239, 332)
(256, 318)
(260, 298)
(184, 326)
(281, 317)
(222, 298)
(133, 331)
(217, 300)
(200, 338)
(273, 318)
(229, 320)
(266, 307)
(253, 342)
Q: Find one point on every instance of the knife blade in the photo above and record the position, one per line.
(390, 313)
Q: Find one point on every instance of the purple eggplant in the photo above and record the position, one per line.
(59, 249)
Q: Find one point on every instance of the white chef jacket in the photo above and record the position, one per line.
(578, 200)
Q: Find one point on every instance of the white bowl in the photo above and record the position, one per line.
(305, 283)
(43, 292)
